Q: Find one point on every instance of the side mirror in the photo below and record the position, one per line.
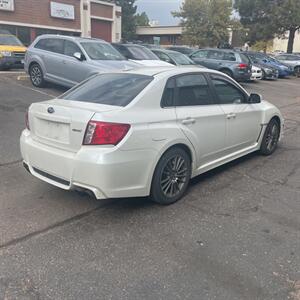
(79, 56)
(254, 98)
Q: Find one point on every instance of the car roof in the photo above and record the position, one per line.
(71, 38)
(166, 51)
(221, 50)
(171, 71)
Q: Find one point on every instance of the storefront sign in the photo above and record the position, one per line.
(62, 11)
(7, 5)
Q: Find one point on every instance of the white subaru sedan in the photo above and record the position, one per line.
(146, 132)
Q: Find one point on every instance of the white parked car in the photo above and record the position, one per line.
(146, 132)
(256, 73)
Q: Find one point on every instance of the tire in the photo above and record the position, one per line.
(227, 72)
(169, 183)
(263, 75)
(297, 71)
(36, 75)
(270, 138)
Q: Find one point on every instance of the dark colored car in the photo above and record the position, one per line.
(182, 49)
(173, 57)
(268, 72)
(140, 55)
(235, 64)
(268, 61)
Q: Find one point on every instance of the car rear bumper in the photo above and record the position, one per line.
(105, 171)
(242, 76)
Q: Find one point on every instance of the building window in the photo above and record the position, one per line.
(22, 33)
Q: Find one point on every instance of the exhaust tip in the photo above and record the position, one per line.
(26, 167)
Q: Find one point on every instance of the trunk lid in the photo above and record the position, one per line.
(62, 123)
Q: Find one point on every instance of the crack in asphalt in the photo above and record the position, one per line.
(56, 225)
(10, 163)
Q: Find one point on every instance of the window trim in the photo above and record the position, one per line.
(217, 99)
(50, 38)
(176, 92)
(65, 41)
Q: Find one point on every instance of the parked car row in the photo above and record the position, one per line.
(69, 60)
(237, 64)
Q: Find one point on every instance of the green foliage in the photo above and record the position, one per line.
(142, 19)
(257, 17)
(266, 19)
(205, 22)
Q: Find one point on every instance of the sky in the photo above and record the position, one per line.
(160, 10)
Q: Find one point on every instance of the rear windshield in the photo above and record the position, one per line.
(109, 89)
(142, 53)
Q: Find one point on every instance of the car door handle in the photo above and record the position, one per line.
(64, 62)
(231, 116)
(188, 121)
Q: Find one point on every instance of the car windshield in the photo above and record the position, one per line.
(181, 59)
(9, 40)
(101, 51)
(142, 53)
(109, 89)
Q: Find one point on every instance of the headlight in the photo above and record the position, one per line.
(5, 53)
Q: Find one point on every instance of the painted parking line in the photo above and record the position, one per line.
(32, 89)
(12, 72)
(22, 77)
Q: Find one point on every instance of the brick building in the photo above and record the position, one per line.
(89, 18)
(163, 35)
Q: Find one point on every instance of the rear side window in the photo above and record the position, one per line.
(229, 56)
(245, 59)
(192, 90)
(200, 54)
(109, 89)
(218, 55)
(169, 94)
(52, 45)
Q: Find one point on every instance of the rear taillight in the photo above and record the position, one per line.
(103, 133)
(27, 121)
(242, 66)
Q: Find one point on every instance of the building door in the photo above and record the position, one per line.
(102, 30)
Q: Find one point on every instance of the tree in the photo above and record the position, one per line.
(205, 22)
(266, 19)
(142, 19)
(288, 18)
(257, 17)
(128, 18)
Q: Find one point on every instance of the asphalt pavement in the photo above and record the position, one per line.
(235, 235)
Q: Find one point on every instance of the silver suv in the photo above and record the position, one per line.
(67, 60)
